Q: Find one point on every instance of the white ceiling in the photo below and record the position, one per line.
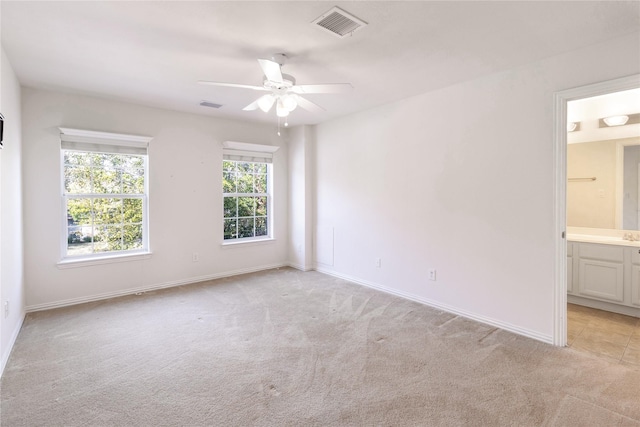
(153, 53)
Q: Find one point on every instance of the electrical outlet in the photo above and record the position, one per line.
(195, 257)
(432, 274)
(378, 262)
(6, 309)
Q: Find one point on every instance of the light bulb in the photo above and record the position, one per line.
(289, 102)
(280, 110)
(266, 102)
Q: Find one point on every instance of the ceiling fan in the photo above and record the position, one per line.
(282, 89)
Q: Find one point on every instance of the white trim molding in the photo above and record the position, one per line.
(69, 134)
(560, 100)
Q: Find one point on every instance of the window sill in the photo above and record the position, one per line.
(107, 259)
(252, 242)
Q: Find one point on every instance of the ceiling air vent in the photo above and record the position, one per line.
(339, 23)
(210, 104)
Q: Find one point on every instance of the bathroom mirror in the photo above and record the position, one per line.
(602, 184)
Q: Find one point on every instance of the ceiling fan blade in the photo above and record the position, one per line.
(253, 106)
(271, 70)
(232, 85)
(323, 88)
(308, 105)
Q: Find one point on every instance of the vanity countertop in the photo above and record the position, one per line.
(605, 240)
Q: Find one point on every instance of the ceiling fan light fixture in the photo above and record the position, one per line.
(616, 120)
(266, 102)
(281, 111)
(289, 102)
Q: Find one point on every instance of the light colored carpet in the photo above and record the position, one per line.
(283, 347)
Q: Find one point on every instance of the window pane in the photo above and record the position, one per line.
(106, 180)
(261, 168)
(76, 158)
(133, 181)
(230, 207)
(77, 179)
(245, 183)
(108, 238)
(132, 236)
(132, 162)
(79, 212)
(228, 165)
(261, 226)
(245, 227)
(246, 206)
(107, 211)
(261, 206)
(230, 229)
(79, 226)
(245, 167)
(229, 182)
(261, 183)
(132, 210)
(80, 247)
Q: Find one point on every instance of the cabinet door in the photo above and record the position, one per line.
(635, 284)
(602, 280)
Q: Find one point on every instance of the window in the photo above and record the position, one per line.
(246, 200)
(105, 194)
(246, 188)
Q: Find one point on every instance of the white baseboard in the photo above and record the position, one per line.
(132, 291)
(444, 307)
(12, 341)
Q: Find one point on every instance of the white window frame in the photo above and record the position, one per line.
(103, 142)
(251, 153)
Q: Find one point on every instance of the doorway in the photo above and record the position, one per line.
(561, 100)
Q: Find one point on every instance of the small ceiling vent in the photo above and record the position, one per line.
(210, 104)
(339, 23)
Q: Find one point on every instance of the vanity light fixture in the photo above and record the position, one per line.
(616, 120)
(571, 126)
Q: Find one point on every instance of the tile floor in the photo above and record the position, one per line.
(604, 334)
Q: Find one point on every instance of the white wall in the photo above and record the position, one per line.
(11, 223)
(185, 206)
(460, 180)
(630, 196)
(301, 197)
(592, 203)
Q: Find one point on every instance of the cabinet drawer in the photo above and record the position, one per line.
(603, 252)
(635, 255)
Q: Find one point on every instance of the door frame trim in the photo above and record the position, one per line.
(560, 100)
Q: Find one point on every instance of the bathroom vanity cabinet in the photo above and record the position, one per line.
(605, 276)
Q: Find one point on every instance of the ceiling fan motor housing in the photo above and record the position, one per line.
(287, 83)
